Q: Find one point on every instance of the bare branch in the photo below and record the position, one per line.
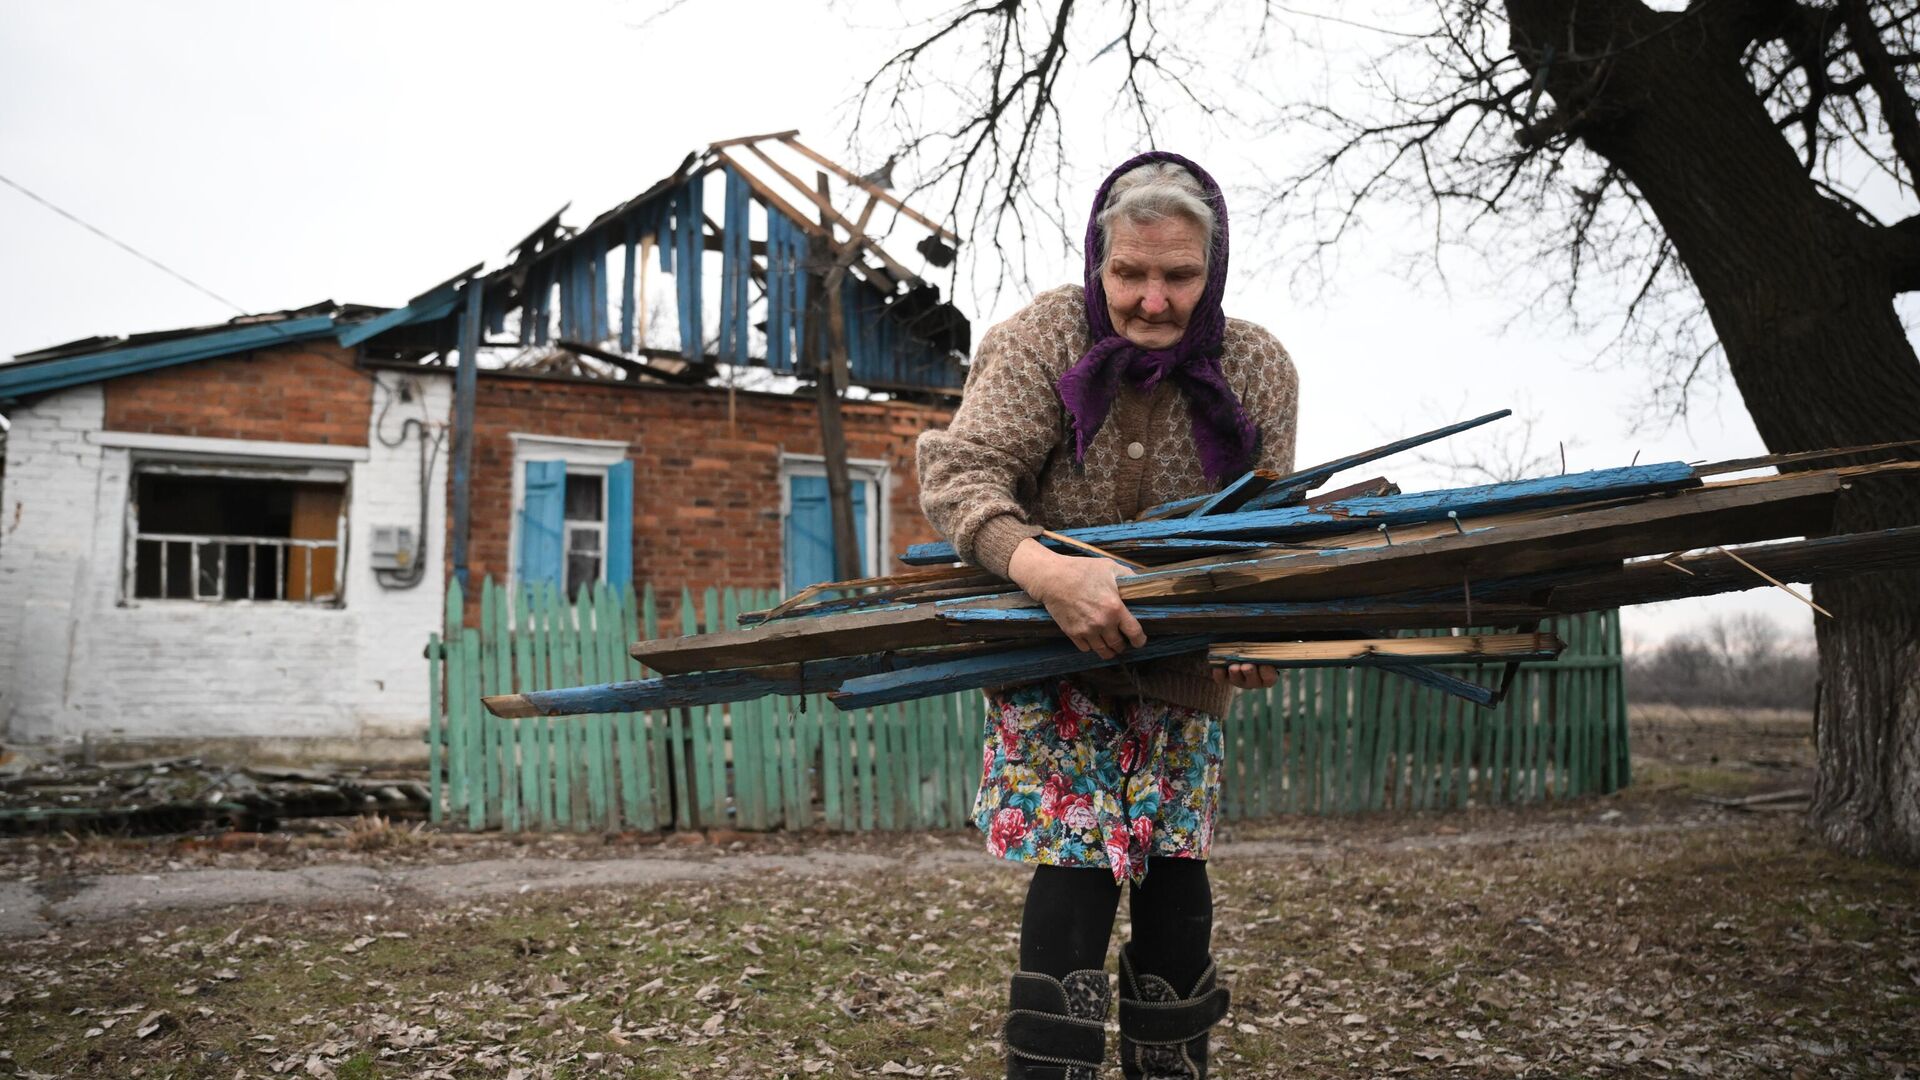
(1896, 104)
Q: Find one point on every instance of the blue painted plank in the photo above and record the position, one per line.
(620, 524)
(1235, 495)
(465, 389)
(597, 289)
(776, 293)
(1444, 615)
(540, 306)
(1294, 522)
(718, 687)
(44, 375)
(629, 288)
(582, 316)
(736, 260)
(1292, 487)
(800, 255)
(997, 669)
(664, 241)
(689, 232)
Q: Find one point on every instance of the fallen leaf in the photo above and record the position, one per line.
(152, 1022)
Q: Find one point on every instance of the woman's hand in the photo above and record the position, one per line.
(1247, 676)
(1082, 596)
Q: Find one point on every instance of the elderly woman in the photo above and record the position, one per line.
(1086, 407)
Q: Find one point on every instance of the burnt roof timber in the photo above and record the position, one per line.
(855, 234)
(870, 188)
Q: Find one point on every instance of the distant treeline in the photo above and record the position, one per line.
(1740, 661)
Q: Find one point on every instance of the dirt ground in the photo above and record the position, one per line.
(1642, 934)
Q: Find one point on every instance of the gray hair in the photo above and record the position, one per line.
(1153, 192)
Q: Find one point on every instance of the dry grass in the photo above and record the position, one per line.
(375, 832)
(1666, 939)
(1643, 934)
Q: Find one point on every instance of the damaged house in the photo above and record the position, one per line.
(246, 530)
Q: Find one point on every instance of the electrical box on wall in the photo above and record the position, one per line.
(393, 547)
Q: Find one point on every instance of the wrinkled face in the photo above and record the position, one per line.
(1154, 276)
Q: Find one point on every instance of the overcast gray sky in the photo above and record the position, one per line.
(285, 153)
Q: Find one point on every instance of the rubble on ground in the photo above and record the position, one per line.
(44, 793)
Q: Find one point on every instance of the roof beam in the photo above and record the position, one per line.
(856, 236)
(873, 189)
(746, 139)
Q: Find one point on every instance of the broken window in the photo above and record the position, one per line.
(586, 530)
(231, 533)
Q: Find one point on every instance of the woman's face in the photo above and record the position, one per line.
(1154, 276)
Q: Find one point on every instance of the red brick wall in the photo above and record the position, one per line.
(706, 501)
(305, 393)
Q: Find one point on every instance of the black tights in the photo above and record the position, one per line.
(1070, 911)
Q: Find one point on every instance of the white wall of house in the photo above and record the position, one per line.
(78, 657)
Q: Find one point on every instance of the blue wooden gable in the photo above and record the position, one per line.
(584, 287)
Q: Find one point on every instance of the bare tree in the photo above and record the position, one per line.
(1721, 156)
(1745, 660)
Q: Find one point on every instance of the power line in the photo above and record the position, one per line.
(168, 270)
(1345, 22)
(119, 243)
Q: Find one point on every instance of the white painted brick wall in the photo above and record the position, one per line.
(74, 659)
(45, 543)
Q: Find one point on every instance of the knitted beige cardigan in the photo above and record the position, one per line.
(1004, 469)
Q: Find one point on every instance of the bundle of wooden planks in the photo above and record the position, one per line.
(1266, 572)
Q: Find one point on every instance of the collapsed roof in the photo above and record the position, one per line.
(602, 290)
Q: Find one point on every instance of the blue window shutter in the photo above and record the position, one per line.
(620, 523)
(809, 533)
(859, 496)
(542, 555)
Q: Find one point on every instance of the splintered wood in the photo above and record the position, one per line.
(1261, 572)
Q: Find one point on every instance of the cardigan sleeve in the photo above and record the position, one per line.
(1272, 399)
(979, 475)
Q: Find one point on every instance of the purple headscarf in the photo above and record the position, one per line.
(1222, 432)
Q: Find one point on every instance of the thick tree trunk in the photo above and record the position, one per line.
(1801, 296)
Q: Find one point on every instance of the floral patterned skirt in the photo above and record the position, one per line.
(1070, 777)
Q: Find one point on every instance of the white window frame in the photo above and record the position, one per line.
(584, 457)
(877, 473)
(233, 459)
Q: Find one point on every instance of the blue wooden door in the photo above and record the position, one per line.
(809, 534)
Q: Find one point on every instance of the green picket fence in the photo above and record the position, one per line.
(1322, 741)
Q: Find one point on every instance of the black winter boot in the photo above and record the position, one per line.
(1057, 1028)
(1163, 1036)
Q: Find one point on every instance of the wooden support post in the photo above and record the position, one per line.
(831, 372)
(465, 384)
